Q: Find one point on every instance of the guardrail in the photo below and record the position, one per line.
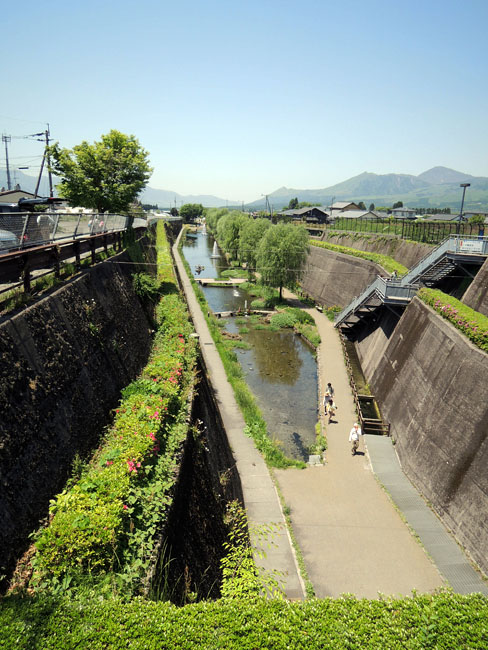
(387, 290)
(20, 230)
(19, 267)
(369, 425)
(461, 244)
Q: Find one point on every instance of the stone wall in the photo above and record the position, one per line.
(64, 361)
(432, 385)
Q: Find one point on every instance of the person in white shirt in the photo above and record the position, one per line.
(354, 434)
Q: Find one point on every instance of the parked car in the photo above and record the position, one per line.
(7, 241)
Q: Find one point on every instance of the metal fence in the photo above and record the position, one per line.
(24, 230)
(428, 232)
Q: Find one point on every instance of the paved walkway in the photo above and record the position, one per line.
(352, 538)
(260, 497)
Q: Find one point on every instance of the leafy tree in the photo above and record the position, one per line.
(228, 231)
(190, 212)
(293, 204)
(398, 204)
(250, 235)
(173, 212)
(281, 255)
(371, 207)
(477, 219)
(106, 175)
(361, 205)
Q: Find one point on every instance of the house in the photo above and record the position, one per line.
(311, 214)
(341, 206)
(359, 214)
(12, 196)
(403, 213)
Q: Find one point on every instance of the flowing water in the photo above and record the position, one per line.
(279, 368)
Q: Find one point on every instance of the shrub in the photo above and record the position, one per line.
(470, 322)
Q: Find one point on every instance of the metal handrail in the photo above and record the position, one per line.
(406, 287)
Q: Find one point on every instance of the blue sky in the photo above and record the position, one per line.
(237, 99)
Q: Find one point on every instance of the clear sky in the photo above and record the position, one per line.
(237, 98)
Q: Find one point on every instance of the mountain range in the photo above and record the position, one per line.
(436, 187)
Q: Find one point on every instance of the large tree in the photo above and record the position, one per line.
(190, 212)
(107, 175)
(249, 237)
(281, 255)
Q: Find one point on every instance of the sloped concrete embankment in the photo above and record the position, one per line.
(406, 252)
(64, 361)
(432, 385)
(476, 295)
(335, 278)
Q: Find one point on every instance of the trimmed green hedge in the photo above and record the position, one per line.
(468, 321)
(443, 621)
(388, 263)
(108, 519)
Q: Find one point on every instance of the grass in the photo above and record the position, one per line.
(388, 263)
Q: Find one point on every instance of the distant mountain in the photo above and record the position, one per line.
(26, 182)
(438, 175)
(162, 198)
(165, 199)
(436, 187)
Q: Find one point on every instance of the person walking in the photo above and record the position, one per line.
(331, 409)
(354, 434)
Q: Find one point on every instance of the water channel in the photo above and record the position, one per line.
(279, 368)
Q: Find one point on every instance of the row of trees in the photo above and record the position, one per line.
(277, 252)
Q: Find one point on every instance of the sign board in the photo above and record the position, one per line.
(470, 246)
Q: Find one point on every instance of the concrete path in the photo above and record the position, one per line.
(352, 538)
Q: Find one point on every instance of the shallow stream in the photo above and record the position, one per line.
(279, 368)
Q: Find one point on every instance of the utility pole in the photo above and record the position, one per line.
(6, 139)
(46, 155)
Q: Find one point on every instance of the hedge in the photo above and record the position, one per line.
(388, 263)
(468, 321)
(444, 621)
(108, 519)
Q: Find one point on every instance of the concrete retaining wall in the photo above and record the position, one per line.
(64, 361)
(334, 278)
(476, 295)
(432, 385)
(405, 252)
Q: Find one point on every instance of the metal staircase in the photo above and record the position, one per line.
(435, 266)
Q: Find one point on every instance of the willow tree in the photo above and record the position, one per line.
(107, 175)
(281, 255)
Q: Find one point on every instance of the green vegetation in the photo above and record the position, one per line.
(190, 212)
(388, 263)
(281, 255)
(470, 322)
(255, 424)
(104, 524)
(419, 623)
(107, 175)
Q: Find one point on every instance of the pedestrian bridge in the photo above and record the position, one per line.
(451, 254)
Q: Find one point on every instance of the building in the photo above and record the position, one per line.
(403, 213)
(312, 214)
(359, 214)
(12, 196)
